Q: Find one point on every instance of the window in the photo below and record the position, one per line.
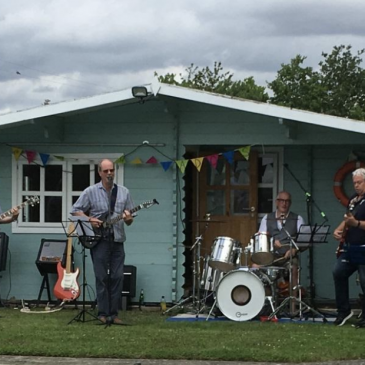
(58, 185)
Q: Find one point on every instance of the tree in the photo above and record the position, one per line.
(337, 88)
(216, 81)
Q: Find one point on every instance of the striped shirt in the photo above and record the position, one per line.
(95, 201)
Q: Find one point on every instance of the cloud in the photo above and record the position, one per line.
(67, 49)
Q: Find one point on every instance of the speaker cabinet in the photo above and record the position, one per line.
(4, 242)
(50, 253)
(129, 281)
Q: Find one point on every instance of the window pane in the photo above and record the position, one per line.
(53, 209)
(31, 178)
(265, 200)
(216, 204)
(97, 177)
(240, 200)
(30, 213)
(53, 178)
(80, 177)
(216, 176)
(266, 170)
(240, 173)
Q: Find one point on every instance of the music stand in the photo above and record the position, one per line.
(308, 234)
(84, 232)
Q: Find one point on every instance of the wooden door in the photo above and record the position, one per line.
(229, 194)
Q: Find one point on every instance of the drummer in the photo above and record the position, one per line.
(277, 224)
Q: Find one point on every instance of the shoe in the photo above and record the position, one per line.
(342, 319)
(102, 319)
(360, 323)
(117, 320)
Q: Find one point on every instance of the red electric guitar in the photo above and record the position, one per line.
(66, 288)
(344, 232)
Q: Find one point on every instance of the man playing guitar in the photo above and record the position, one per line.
(350, 233)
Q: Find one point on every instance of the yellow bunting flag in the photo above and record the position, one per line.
(245, 152)
(182, 164)
(121, 160)
(137, 161)
(198, 162)
(17, 152)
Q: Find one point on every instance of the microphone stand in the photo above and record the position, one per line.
(309, 201)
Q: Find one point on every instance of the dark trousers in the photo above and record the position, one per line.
(108, 257)
(342, 271)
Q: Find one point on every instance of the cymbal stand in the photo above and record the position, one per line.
(292, 298)
(195, 296)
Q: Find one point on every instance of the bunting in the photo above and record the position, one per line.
(181, 164)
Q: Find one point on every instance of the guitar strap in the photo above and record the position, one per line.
(113, 198)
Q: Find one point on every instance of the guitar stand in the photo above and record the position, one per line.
(83, 226)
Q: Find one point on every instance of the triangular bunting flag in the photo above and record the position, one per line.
(17, 152)
(213, 160)
(166, 165)
(121, 160)
(182, 164)
(61, 158)
(198, 162)
(44, 158)
(245, 152)
(152, 160)
(137, 161)
(30, 156)
(229, 156)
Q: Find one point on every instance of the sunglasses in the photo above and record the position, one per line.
(106, 171)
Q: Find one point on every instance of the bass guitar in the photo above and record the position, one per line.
(66, 288)
(29, 201)
(93, 241)
(340, 249)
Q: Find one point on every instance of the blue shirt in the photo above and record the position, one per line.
(95, 200)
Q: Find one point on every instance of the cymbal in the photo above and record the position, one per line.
(206, 221)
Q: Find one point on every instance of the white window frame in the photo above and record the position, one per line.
(66, 193)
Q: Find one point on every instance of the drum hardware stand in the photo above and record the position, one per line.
(292, 298)
(195, 296)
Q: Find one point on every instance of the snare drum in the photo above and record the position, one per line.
(225, 254)
(262, 250)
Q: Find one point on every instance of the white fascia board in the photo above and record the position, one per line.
(250, 106)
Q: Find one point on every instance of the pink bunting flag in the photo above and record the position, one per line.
(30, 156)
(213, 160)
(152, 160)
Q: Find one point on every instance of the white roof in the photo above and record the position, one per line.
(156, 88)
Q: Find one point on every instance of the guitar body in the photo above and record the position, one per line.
(66, 288)
(340, 248)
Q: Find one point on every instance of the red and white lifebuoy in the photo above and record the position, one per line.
(340, 176)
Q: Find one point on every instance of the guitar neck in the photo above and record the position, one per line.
(9, 212)
(120, 216)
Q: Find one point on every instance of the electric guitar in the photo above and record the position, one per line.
(108, 224)
(344, 232)
(66, 288)
(29, 201)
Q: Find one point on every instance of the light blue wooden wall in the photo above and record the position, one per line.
(155, 241)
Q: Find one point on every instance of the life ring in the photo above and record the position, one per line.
(340, 177)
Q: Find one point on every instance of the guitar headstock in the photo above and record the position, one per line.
(149, 203)
(351, 207)
(33, 200)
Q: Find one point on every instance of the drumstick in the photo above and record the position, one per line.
(279, 259)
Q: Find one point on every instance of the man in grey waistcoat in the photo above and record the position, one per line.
(278, 224)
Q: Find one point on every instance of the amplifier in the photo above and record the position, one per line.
(4, 242)
(50, 253)
(129, 281)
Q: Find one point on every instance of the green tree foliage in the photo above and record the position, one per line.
(337, 88)
(216, 81)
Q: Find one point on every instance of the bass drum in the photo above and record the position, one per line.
(240, 295)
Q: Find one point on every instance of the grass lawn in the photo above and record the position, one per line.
(151, 336)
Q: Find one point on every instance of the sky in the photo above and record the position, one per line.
(59, 50)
